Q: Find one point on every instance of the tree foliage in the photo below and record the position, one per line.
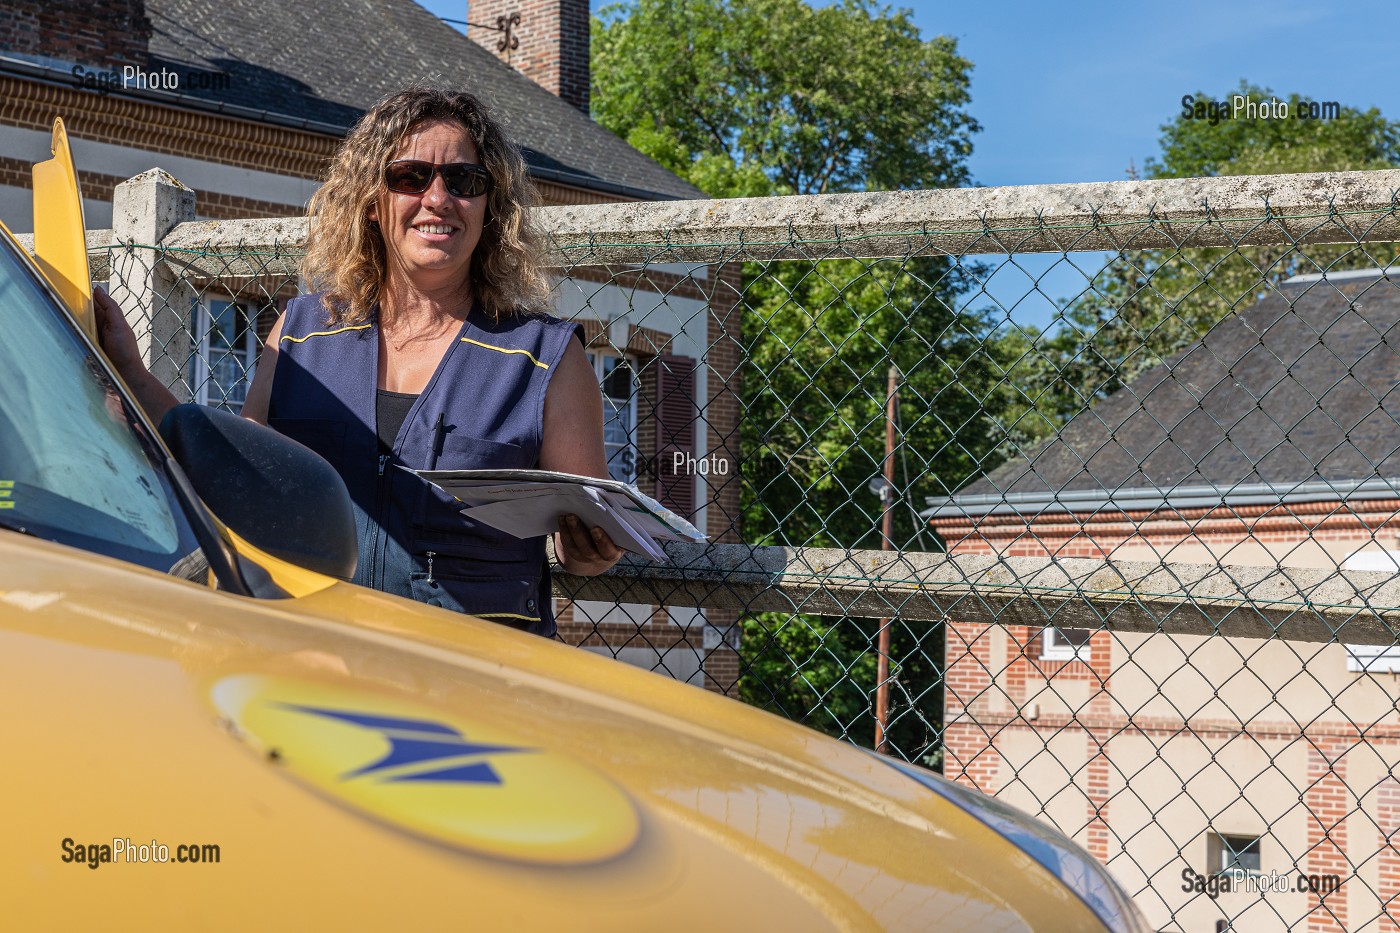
(1355, 139)
(763, 97)
(755, 97)
(1146, 305)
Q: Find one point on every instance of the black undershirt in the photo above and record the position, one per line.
(390, 409)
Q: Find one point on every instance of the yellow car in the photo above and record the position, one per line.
(206, 728)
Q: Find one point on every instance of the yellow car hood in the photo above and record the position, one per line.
(362, 762)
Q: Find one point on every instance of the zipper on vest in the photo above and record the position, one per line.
(380, 516)
(431, 555)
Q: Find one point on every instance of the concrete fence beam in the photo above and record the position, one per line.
(1259, 210)
(1320, 605)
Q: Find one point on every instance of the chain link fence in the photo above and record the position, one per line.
(1088, 496)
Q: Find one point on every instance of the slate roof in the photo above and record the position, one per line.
(1303, 387)
(328, 61)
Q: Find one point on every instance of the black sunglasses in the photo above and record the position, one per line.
(463, 179)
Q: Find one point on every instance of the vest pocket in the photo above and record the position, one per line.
(438, 519)
(496, 590)
(464, 452)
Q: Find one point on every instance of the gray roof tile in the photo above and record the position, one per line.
(1303, 386)
(331, 60)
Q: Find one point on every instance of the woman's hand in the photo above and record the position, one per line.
(115, 337)
(114, 334)
(581, 551)
(573, 443)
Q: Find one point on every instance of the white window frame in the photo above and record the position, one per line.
(598, 360)
(1373, 659)
(1224, 856)
(225, 396)
(1054, 646)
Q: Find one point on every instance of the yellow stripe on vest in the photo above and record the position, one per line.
(488, 346)
(325, 333)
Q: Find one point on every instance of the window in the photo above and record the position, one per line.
(1375, 659)
(226, 353)
(76, 464)
(1064, 644)
(1233, 853)
(618, 377)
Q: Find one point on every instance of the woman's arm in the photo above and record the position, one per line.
(255, 403)
(573, 443)
(118, 341)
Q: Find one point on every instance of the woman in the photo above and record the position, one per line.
(427, 349)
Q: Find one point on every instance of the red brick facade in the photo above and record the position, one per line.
(553, 42)
(1100, 533)
(97, 35)
(1388, 821)
(1328, 802)
(215, 139)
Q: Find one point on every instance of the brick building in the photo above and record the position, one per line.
(245, 101)
(1272, 441)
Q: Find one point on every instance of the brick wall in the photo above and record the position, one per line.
(97, 35)
(208, 137)
(1328, 803)
(1388, 822)
(97, 186)
(155, 128)
(1097, 534)
(970, 753)
(553, 37)
(1096, 785)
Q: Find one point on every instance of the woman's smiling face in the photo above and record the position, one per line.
(429, 238)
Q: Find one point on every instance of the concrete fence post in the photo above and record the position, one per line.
(158, 304)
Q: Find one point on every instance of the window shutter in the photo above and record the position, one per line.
(677, 420)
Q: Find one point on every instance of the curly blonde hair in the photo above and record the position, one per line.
(345, 254)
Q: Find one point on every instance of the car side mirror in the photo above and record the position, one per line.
(276, 494)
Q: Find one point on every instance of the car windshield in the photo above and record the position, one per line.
(76, 466)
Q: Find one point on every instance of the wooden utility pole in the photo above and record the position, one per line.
(887, 499)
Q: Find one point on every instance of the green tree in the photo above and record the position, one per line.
(1354, 139)
(762, 97)
(754, 97)
(1146, 305)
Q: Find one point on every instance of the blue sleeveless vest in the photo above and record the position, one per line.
(488, 392)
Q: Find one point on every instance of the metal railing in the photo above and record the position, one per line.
(1135, 565)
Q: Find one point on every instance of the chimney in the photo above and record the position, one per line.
(552, 37)
(95, 35)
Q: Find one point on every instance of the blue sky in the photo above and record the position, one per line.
(1070, 92)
